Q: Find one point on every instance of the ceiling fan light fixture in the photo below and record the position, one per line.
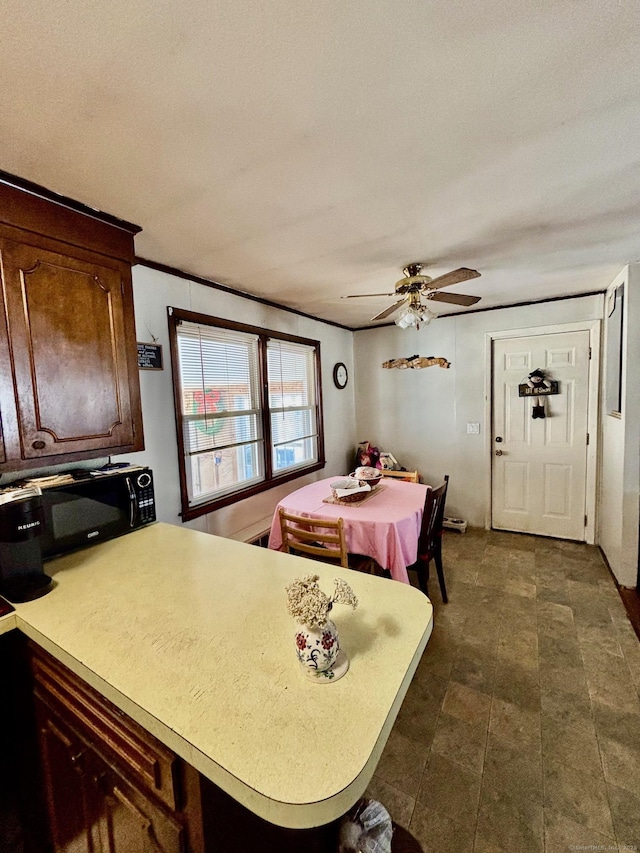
(406, 318)
(414, 313)
(427, 315)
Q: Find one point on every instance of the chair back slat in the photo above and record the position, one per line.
(317, 538)
(408, 476)
(432, 518)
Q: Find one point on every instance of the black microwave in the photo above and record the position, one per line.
(102, 505)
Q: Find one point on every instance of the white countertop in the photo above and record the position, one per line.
(7, 622)
(189, 634)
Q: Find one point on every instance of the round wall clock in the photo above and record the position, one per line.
(340, 375)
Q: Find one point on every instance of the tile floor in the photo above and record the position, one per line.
(520, 732)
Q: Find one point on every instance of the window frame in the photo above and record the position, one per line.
(614, 349)
(178, 315)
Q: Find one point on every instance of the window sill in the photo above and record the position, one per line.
(189, 513)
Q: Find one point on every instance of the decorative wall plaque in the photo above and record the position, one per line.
(525, 390)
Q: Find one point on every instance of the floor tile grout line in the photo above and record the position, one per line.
(482, 778)
(429, 753)
(592, 717)
(606, 784)
(566, 589)
(439, 715)
(544, 798)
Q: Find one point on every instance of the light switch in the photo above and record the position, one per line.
(473, 429)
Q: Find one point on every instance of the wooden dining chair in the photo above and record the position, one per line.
(408, 476)
(430, 541)
(318, 538)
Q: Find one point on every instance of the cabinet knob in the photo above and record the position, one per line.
(38, 445)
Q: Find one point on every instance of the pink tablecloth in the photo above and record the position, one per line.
(385, 527)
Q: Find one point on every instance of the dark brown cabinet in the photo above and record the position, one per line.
(91, 806)
(110, 786)
(129, 821)
(69, 379)
(73, 807)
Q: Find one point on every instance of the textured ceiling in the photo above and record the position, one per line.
(301, 151)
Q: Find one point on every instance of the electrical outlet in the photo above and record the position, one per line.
(473, 429)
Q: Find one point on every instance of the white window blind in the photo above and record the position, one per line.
(248, 409)
(221, 413)
(292, 404)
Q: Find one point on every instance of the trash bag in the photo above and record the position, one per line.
(367, 828)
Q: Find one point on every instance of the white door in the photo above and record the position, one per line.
(540, 465)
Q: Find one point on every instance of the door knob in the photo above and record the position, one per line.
(498, 453)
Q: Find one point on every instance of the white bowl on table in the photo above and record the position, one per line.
(371, 476)
(341, 489)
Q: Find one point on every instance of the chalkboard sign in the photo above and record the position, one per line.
(150, 356)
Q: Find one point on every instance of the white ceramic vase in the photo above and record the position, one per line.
(319, 654)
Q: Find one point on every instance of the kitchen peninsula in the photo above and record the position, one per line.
(188, 634)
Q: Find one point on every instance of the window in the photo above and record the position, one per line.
(248, 409)
(292, 404)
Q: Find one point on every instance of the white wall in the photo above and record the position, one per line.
(620, 447)
(153, 291)
(421, 416)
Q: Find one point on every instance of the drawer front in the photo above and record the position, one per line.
(117, 737)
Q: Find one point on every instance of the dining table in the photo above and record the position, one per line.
(385, 525)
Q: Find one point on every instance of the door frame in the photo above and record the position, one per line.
(593, 413)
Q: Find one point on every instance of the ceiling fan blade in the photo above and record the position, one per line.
(455, 298)
(453, 277)
(388, 311)
(360, 295)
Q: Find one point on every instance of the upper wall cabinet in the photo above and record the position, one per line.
(68, 365)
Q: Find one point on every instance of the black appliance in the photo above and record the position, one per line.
(100, 506)
(22, 577)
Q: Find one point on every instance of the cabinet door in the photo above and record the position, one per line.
(131, 823)
(67, 344)
(92, 808)
(73, 807)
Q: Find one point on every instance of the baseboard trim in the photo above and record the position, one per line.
(630, 597)
(631, 600)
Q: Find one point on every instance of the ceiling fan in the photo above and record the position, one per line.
(414, 285)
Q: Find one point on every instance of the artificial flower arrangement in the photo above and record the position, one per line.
(309, 605)
(317, 643)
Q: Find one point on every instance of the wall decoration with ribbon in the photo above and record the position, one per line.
(416, 362)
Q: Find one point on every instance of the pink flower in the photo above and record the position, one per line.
(327, 640)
